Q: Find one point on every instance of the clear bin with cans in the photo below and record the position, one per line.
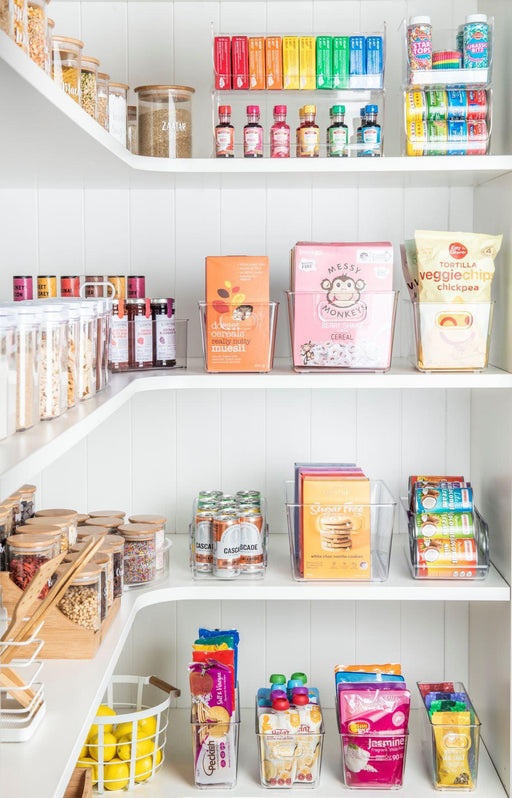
(229, 535)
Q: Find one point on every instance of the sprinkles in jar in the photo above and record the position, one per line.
(139, 553)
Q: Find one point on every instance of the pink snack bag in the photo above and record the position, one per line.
(373, 727)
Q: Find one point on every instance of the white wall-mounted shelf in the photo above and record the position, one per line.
(84, 681)
(51, 141)
(32, 450)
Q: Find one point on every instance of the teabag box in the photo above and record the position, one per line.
(343, 316)
(237, 315)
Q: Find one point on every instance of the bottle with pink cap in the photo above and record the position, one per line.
(280, 134)
(253, 133)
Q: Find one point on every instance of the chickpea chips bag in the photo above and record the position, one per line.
(455, 266)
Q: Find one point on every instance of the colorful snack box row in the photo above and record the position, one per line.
(295, 62)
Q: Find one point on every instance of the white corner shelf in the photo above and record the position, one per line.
(54, 750)
(30, 451)
(55, 143)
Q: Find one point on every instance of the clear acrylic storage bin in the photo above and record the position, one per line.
(215, 749)
(452, 337)
(460, 556)
(251, 533)
(337, 527)
(238, 337)
(454, 748)
(356, 752)
(328, 334)
(289, 760)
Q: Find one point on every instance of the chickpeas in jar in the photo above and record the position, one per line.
(82, 600)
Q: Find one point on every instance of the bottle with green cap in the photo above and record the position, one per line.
(337, 133)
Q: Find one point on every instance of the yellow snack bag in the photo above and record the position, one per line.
(453, 739)
(387, 668)
(455, 266)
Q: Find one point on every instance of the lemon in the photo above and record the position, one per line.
(87, 762)
(109, 747)
(143, 768)
(158, 757)
(146, 727)
(116, 775)
(123, 730)
(124, 748)
(103, 711)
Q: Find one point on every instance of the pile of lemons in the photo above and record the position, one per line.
(117, 751)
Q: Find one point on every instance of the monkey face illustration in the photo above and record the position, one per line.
(343, 292)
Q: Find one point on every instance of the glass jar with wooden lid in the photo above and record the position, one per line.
(50, 25)
(113, 545)
(18, 23)
(81, 519)
(159, 522)
(66, 58)
(139, 553)
(105, 563)
(106, 514)
(118, 111)
(81, 602)
(37, 22)
(165, 121)
(110, 523)
(65, 515)
(27, 500)
(60, 540)
(89, 85)
(54, 522)
(25, 555)
(9, 505)
(5, 523)
(102, 114)
(85, 532)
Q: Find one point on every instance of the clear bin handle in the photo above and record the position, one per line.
(104, 283)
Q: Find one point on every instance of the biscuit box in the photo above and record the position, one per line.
(343, 305)
(237, 334)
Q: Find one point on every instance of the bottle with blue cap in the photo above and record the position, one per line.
(370, 134)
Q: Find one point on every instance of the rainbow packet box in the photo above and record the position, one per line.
(342, 306)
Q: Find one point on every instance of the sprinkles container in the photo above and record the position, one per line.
(446, 59)
(139, 553)
(158, 521)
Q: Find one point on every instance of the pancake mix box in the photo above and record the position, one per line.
(237, 335)
(343, 305)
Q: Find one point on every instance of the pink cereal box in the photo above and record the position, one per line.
(342, 305)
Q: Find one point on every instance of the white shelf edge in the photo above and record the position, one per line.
(30, 451)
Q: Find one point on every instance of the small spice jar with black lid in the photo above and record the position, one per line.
(139, 553)
(140, 333)
(164, 332)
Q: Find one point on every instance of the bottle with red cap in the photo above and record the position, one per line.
(253, 133)
(280, 134)
(224, 134)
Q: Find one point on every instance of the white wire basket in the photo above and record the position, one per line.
(18, 721)
(138, 704)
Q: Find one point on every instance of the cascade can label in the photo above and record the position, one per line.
(203, 541)
(226, 546)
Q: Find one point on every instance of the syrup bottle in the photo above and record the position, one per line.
(224, 134)
(253, 133)
(280, 134)
(309, 134)
(371, 133)
(337, 133)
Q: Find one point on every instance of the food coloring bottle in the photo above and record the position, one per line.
(301, 122)
(309, 135)
(224, 134)
(253, 133)
(280, 134)
(370, 133)
(337, 133)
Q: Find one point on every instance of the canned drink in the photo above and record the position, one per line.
(203, 541)
(476, 104)
(478, 138)
(457, 100)
(437, 105)
(417, 134)
(70, 285)
(206, 504)
(242, 494)
(254, 494)
(448, 558)
(457, 137)
(443, 498)
(210, 494)
(415, 106)
(226, 546)
(441, 525)
(46, 286)
(246, 506)
(437, 137)
(22, 287)
(251, 542)
(119, 283)
(229, 510)
(136, 287)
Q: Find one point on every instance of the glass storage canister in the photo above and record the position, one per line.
(10, 505)
(37, 31)
(102, 109)
(66, 57)
(140, 333)
(81, 519)
(53, 531)
(28, 323)
(25, 555)
(73, 338)
(27, 498)
(87, 351)
(114, 544)
(57, 521)
(85, 532)
(103, 309)
(7, 373)
(104, 563)
(132, 129)
(165, 121)
(110, 523)
(118, 111)
(68, 516)
(53, 362)
(159, 522)
(82, 600)
(105, 558)
(106, 514)
(5, 520)
(164, 332)
(89, 85)
(139, 554)
(50, 24)
(18, 23)
(5, 17)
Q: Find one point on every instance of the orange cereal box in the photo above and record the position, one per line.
(336, 527)
(257, 63)
(291, 62)
(307, 61)
(274, 62)
(237, 335)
